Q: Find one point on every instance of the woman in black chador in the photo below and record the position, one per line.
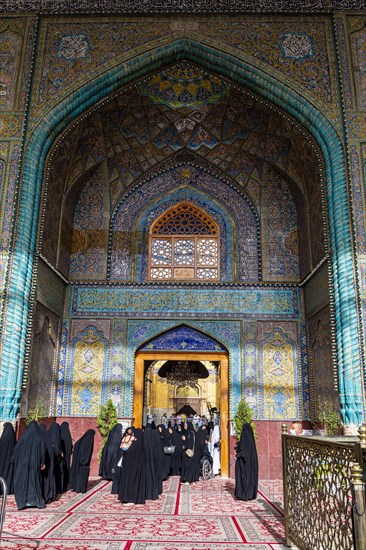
(152, 460)
(80, 468)
(110, 451)
(246, 466)
(29, 460)
(48, 473)
(194, 442)
(131, 486)
(165, 458)
(176, 457)
(7, 445)
(66, 447)
(54, 434)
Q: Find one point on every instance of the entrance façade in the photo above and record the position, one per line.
(165, 370)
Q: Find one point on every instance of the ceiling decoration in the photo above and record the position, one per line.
(185, 108)
(184, 85)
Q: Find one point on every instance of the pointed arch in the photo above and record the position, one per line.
(21, 286)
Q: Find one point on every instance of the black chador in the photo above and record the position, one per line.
(152, 458)
(29, 459)
(66, 447)
(7, 445)
(131, 487)
(54, 434)
(108, 460)
(176, 457)
(190, 464)
(48, 473)
(165, 458)
(80, 468)
(246, 466)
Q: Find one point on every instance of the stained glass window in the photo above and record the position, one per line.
(184, 245)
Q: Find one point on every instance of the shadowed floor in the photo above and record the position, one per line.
(202, 517)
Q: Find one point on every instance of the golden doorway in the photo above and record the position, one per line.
(221, 358)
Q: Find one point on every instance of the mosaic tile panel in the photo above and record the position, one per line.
(358, 38)
(116, 384)
(278, 357)
(251, 368)
(88, 258)
(359, 199)
(88, 365)
(9, 198)
(279, 223)
(184, 86)
(289, 46)
(183, 339)
(320, 355)
(216, 302)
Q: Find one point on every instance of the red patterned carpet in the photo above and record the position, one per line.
(203, 517)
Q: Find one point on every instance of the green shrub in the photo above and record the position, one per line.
(106, 420)
(243, 414)
(328, 416)
(39, 412)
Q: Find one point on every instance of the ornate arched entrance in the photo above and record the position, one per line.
(22, 275)
(221, 358)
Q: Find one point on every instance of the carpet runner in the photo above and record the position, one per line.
(202, 517)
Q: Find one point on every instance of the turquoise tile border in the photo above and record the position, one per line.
(255, 79)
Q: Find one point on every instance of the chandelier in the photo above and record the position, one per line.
(182, 373)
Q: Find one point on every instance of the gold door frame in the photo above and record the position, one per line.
(223, 358)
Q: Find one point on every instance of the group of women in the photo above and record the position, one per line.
(140, 460)
(38, 467)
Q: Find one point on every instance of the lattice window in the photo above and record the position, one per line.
(184, 245)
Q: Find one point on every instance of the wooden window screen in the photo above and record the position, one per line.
(184, 245)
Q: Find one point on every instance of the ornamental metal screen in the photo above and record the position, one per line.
(318, 492)
(184, 245)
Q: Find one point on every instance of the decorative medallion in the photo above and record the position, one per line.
(73, 46)
(297, 45)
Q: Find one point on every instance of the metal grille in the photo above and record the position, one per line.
(318, 493)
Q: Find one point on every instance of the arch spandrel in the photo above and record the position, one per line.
(263, 42)
(240, 71)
